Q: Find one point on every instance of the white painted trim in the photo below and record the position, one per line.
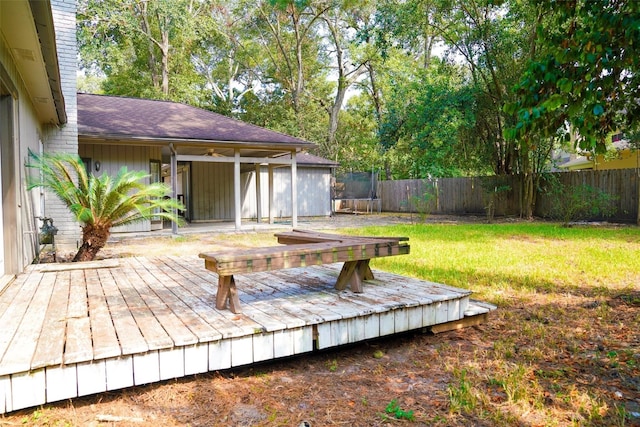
(258, 194)
(211, 159)
(237, 196)
(294, 190)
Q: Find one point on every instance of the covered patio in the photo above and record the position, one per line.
(212, 150)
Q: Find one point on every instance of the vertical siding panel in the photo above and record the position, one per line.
(199, 196)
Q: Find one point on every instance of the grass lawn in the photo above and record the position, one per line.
(565, 341)
(501, 262)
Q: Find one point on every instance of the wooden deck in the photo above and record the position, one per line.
(72, 330)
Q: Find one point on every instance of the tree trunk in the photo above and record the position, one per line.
(527, 195)
(165, 64)
(93, 239)
(334, 112)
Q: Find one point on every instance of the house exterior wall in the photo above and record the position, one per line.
(112, 158)
(64, 138)
(20, 208)
(20, 132)
(314, 192)
(212, 192)
(626, 159)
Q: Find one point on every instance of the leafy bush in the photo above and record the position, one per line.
(423, 204)
(494, 189)
(582, 202)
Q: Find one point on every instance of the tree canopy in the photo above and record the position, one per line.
(416, 88)
(586, 77)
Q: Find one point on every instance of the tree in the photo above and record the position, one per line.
(342, 23)
(287, 31)
(587, 77)
(226, 58)
(428, 117)
(100, 203)
(142, 47)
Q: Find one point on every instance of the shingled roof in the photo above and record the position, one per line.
(113, 117)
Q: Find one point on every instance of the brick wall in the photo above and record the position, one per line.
(65, 137)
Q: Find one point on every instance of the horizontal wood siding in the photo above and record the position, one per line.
(112, 158)
(462, 196)
(212, 191)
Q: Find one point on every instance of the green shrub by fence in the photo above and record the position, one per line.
(470, 196)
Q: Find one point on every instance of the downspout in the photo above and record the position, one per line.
(174, 184)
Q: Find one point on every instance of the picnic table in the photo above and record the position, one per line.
(301, 248)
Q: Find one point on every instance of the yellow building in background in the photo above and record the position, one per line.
(620, 156)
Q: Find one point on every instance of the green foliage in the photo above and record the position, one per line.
(586, 74)
(142, 49)
(100, 203)
(103, 200)
(461, 396)
(427, 115)
(394, 409)
(423, 204)
(494, 188)
(573, 203)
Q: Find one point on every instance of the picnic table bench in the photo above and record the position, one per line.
(302, 248)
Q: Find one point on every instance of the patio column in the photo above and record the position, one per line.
(236, 189)
(258, 195)
(272, 203)
(294, 190)
(174, 184)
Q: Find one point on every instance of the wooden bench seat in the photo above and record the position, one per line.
(300, 249)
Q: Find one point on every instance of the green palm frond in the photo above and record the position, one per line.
(102, 201)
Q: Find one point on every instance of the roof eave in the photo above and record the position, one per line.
(43, 18)
(194, 142)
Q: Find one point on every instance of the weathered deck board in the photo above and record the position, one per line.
(90, 328)
(154, 334)
(15, 311)
(199, 295)
(25, 343)
(78, 346)
(51, 341)
(151, 291)
(103, 333)
(129, 335)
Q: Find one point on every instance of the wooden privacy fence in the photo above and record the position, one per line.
(464, 196)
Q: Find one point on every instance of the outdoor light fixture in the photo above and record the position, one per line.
(98, 166)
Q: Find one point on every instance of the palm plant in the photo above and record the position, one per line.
(100, 203)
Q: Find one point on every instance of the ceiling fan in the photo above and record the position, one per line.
(211, 152)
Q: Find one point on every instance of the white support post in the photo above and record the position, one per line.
(294, 190)
(272, 203)
(258, 194)
(174, 186)
(236, 189)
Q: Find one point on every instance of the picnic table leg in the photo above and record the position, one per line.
(353, 273)
(365, 270)
(227, 292)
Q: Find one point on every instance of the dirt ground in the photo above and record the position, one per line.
(458, 378)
